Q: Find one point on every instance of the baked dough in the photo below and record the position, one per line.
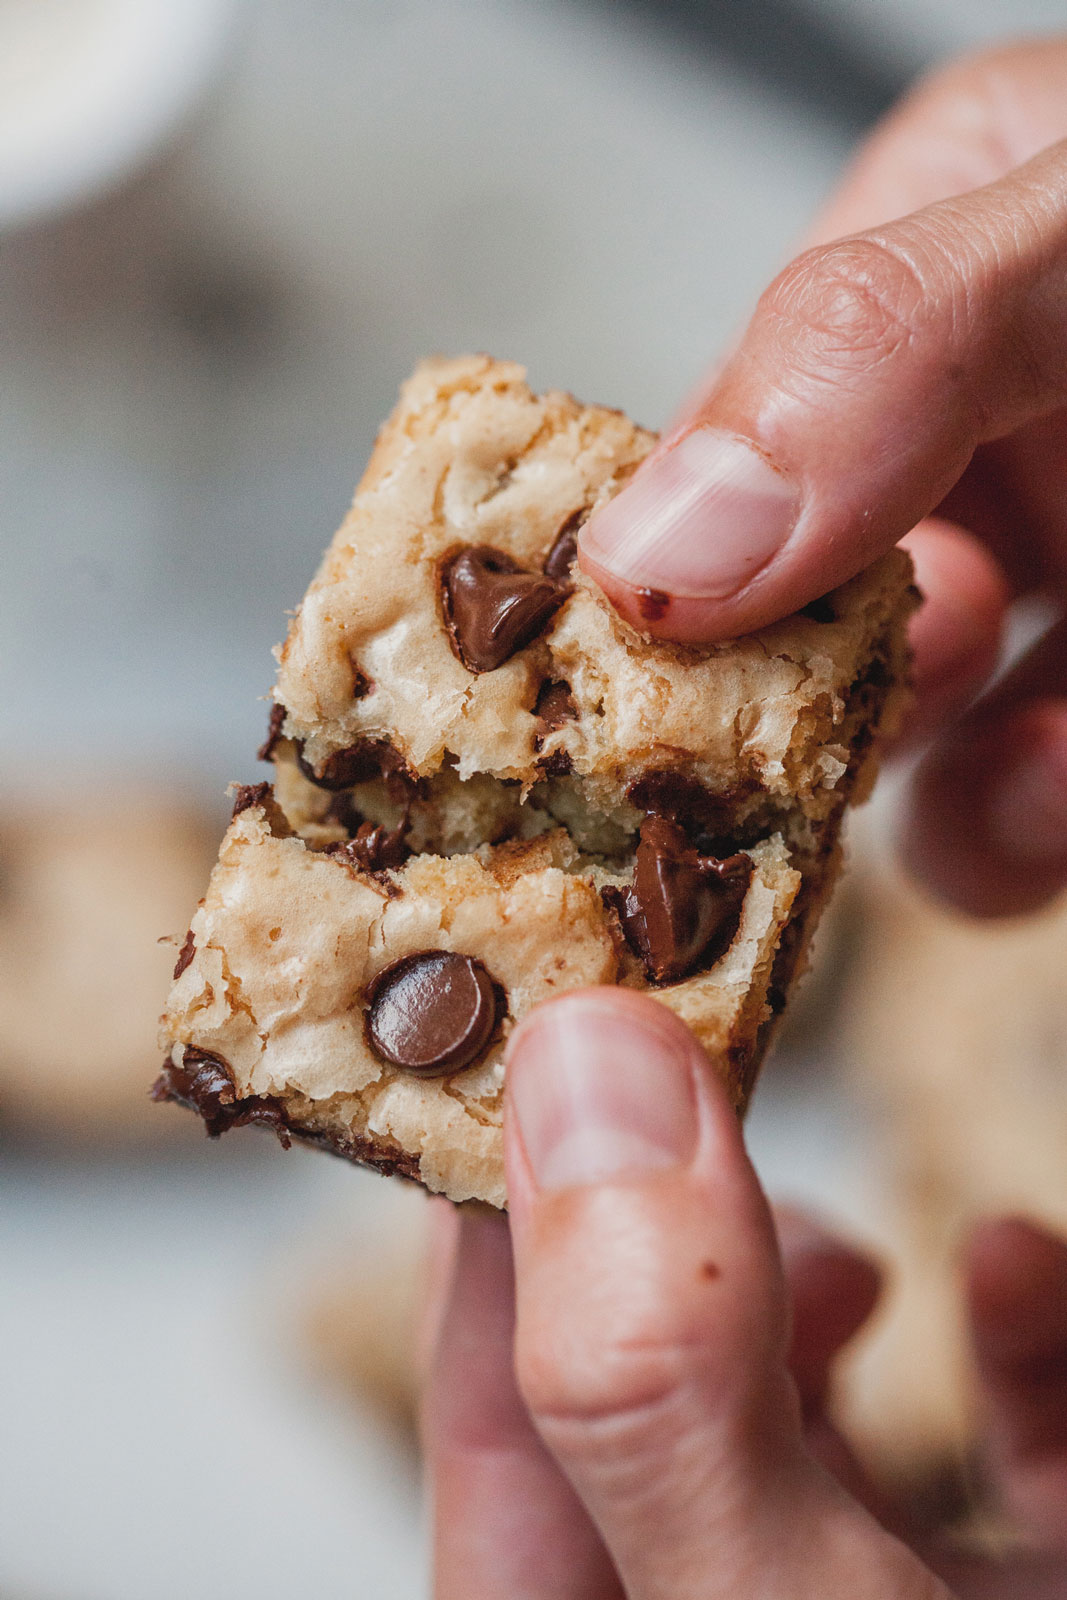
(489, 789)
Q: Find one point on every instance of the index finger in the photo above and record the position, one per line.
(871, 371)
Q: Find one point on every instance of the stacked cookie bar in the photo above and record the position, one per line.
(488, 789)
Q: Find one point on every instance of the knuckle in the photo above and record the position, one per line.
(854, 303)
(593, 1376)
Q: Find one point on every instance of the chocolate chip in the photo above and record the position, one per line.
(185, 954)
(554, 708)
(374, 847)
(492, 607)
(819, 610)
(652, 603)
(682, 909)
(561, 558)
(431, 1013)
(247, 795)
(274, 737)
(557, 764)
(204, 1083)
(674, 795)
(555, 705)
(362, 761)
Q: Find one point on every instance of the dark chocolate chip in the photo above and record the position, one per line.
(374, 847)
(250, 794)
(274, 737)
(557, 764)
(205, 1084)
(682, 909)
(561, 558)
(554, 708)
(555, 705)
(652, 604)
(819, 610)
(674, 795)
(185, 954)
(431, 1013)
(362, 761)
(492, 607)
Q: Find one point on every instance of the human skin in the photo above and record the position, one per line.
(626, 1385)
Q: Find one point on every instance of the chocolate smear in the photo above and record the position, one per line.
(205, 1084)
(275, 736)
(652, 604)
(492, 607)
(247, 795)
(564, 552)
(361, 684)
(185, 955)
(432, 1013)
(682, 909)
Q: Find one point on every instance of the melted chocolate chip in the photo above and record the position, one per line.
(561, 558)
(205, 1084)
(674, 795)
(374, 847)
(432, 1013)
(554, 708)
(362, 761)
(492, 607)
(555, 705)
(682, 909)
(185, 954)
(250, 794)
(652, 604)
(819, 610)
(274, 737)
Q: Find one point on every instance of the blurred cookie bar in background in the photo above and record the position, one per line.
(89, 883)
(957, 1035)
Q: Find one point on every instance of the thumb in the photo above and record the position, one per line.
(652, 1332)
(872, 369)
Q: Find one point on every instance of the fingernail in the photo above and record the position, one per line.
(599, 1095)
(1027, 809)
(699, 522)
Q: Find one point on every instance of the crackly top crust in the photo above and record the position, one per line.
(287, 941)
(471, 456)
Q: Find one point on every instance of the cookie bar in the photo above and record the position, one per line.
(488, 789)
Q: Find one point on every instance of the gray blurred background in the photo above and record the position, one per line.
(228, 231)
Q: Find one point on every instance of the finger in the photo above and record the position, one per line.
(1017, 1286)
(957, 633)
(871, 371)
(986, 821)
(441, 1242)
(966, 124)
(506, 1522)
(832, 1291)
(652, 1322)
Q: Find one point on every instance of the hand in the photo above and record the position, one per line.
(636, 1419)
(911, 375)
